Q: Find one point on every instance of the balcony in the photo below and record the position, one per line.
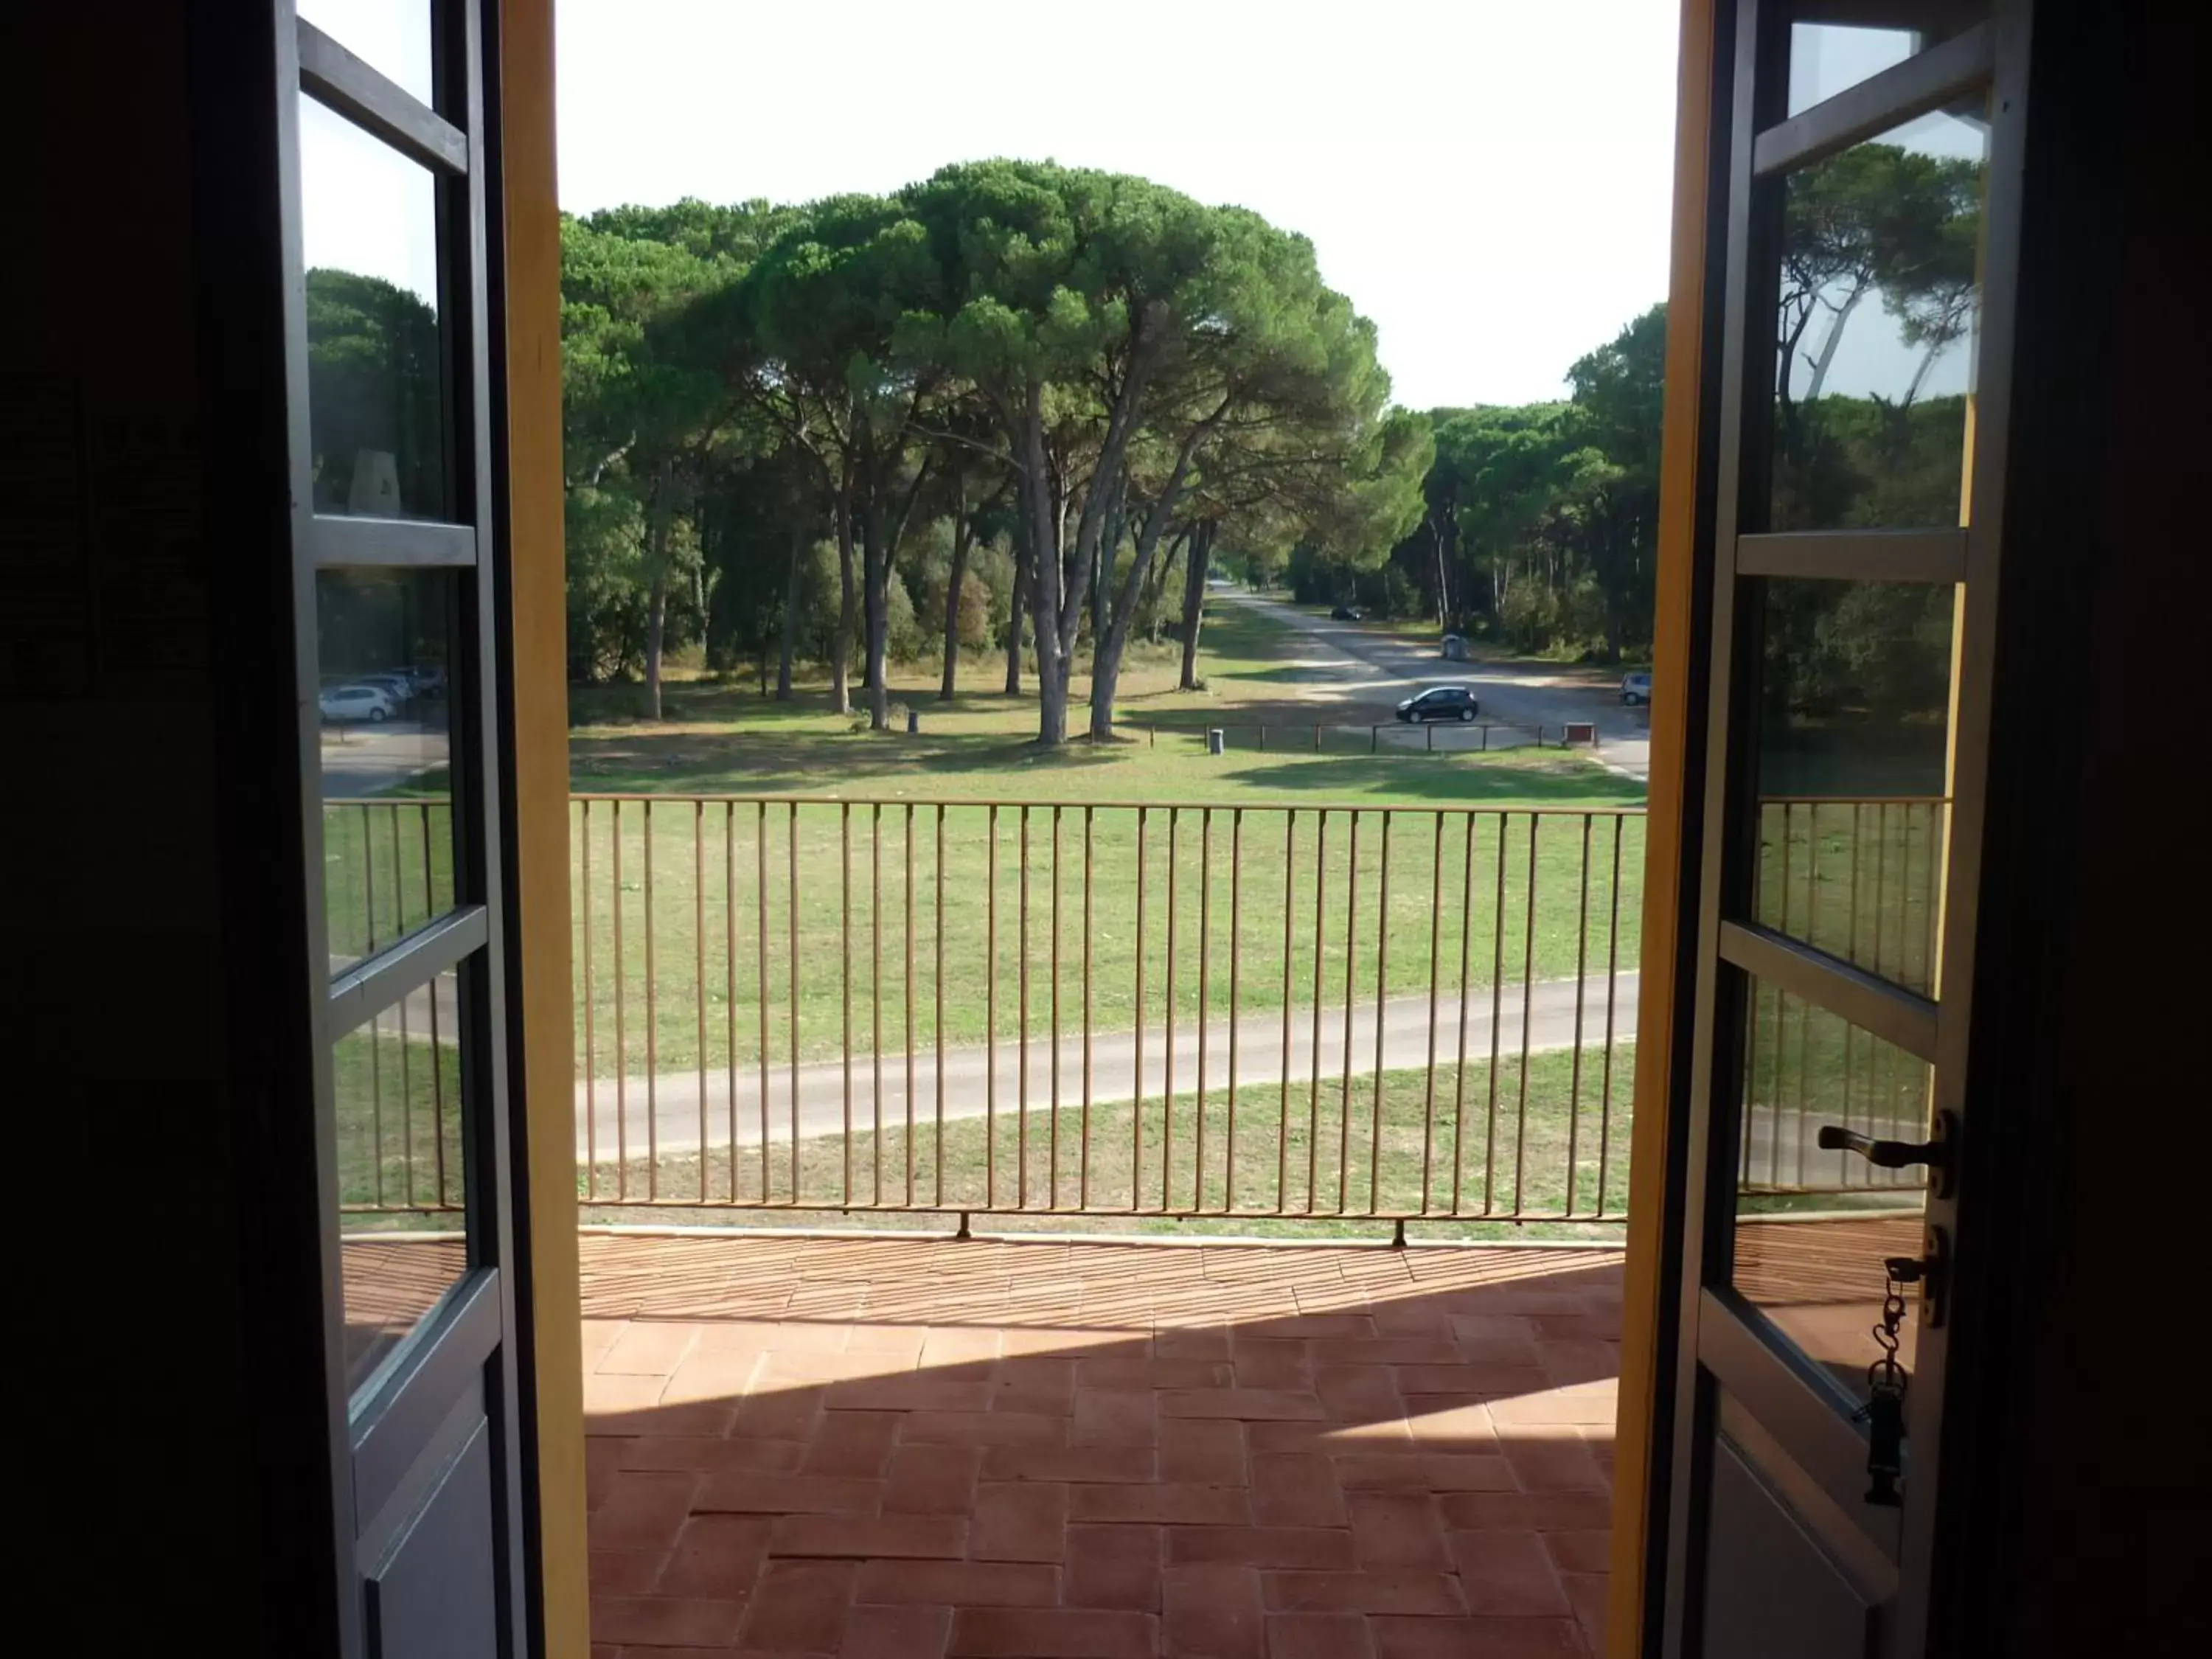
(914, 1447)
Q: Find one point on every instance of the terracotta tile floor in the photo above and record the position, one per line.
(917, 1448)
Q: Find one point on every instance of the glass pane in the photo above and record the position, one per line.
(369, 218)
(1812, 1227)
(390, 36)
(1854, 686)
(1827, 56)
(386, 644)
(1878, 303)
(403, 1221)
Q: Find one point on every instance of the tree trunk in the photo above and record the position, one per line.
(1198, 559)
(1017, 610)
(1106, 651)
(790, 615)
(876, 566)
(840, 648)
(656, 616)
(1046, 606)
(963, 537)
(1828, 346)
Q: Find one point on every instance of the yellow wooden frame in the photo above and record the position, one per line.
(1641, 1355)
(538, 661)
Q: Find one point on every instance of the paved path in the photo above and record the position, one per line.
(1351, 664)
(676, 1096)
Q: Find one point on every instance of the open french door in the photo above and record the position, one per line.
(1874, 148)
(387, 153)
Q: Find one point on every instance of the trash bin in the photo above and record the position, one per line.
(1217, 740)
(913, 722)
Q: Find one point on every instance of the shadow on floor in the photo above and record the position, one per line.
(925, 1447)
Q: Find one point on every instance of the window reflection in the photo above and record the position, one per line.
(1836, 44)
(1878, 304)
(402, 1188)
(1814, 1227)
(386, 641)
(375, 392)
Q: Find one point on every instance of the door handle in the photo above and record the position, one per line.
(1934, 1151)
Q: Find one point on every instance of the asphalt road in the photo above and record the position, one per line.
(1362, 672)
(673, 1102)
(365, 757)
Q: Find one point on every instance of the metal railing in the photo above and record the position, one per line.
(1105, 1007)
(1862, 879)
(1314, 1011)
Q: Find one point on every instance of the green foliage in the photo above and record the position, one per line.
(374, 389)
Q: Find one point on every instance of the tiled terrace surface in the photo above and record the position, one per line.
(914, 1448)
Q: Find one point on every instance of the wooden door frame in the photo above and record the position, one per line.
(1673, 818)
(527, 421)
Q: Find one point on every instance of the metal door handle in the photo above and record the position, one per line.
(1934, 1151)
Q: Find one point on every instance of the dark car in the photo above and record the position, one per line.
(1441, 703)
(1347, 613)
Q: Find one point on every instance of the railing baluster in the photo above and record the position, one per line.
(1052, 1135)
(437, 1063)
(1021, 1037)
(937, 990)
(1351, 983)
(791, 849)
(906, 998)
(1167, 1035)
(1235, 965)
(699, 970)
(845, 971)
(729, 987)
(1436, 952)
(1582, 969)
(591, 1043)
(1496, 1023)
(622, 1036)
(1382, 1001)
(1466, 995)
(1527, 1011)
(1781, 1014)
(876, 1001)
(760, 975)
(991, 1013)
(651, 1030)
(1083, 1174)
(1283, 1094)
(1805, 1020)
(1205, 982)
(1611, 979)
(1321, 952)
(1137, 1103)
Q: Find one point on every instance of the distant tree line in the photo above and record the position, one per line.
(1015, 406)
(1027, 410)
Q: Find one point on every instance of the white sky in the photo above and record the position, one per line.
(1489, 181)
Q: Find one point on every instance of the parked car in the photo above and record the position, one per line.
(358, 702)
(1347, 613)
(1441, 703)
(1453, 649)
(428, 681)
(399, 687)
(1636, 687)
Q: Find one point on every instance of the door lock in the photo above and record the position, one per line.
(1934, 1152)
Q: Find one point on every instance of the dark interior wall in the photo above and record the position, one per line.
(154, 1052)
(2080, 1522)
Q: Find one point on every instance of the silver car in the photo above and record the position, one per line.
(1636, 687)
(357, 702)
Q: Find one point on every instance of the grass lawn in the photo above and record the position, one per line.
(708, 907)
(399, 1134)
(1514, 1155)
